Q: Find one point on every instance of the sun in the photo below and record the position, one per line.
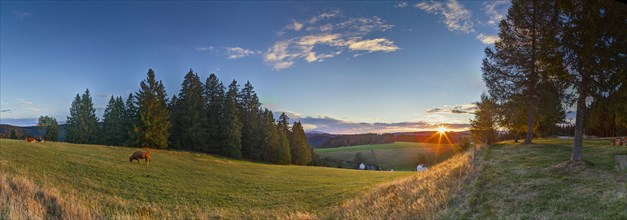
(442, 129)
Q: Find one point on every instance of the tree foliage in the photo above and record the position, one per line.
(484, 126)
(82, 122)
(50, 125)
(153, 117)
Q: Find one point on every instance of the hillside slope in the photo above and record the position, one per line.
(533, 182)
(182, 183)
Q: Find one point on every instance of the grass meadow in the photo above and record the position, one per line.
(533, 182)
(509, 181)
(397, 155)
(99, 182)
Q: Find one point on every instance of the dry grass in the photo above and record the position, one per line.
(20, 198)
(421, 196)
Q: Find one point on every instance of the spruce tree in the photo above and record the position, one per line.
(232, 145)
(270, 143)
(114, 126)
(177, 128)
(214, 104)
(483, 126)
(518, 62)
(153, 124)
(130, 119)
(284, 155)
(188, 124)
(249, 106)
(82, 122)
(301, 155)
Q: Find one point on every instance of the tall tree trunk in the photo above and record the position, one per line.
(578, 142)
(530, 120)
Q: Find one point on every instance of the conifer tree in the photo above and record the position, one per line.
(114, 130)
(593, 40)
(284, 155)
(249, 108)
(270, 143)
(520, 60)
(188, 121)
(483, 126)
(214, 104)
(130, 119)
(50, 125)
(153, 124)
(82, 122)
(301, 155)
(232, 145)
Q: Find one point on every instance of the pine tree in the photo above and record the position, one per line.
(114, 127)
(483, 126)
(82, 122)
(50, 125)
(214, 104)
(301, 155)
(188, 121)
(593, 40)
(519, 61)
(152, 127)
(284, 155)
(249, 106)
(177, 128)
(232, 145)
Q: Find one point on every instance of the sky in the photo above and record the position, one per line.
(338, 67)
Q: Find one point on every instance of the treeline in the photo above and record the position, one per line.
(551, 56)
(357, 139)
(204, 117)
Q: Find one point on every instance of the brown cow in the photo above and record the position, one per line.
(30, 139)
(140, 155)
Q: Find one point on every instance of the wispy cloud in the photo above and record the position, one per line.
(454, 15)
(209, 48)
(5, 110)
(379, 44)
(23, 101)
(295, 26)
(231, 53)
(458, 109)
(496, 11)
(22, 15)
(402, 4)
(238, 52)
(487, 39)
(325, 36)
(458, 18)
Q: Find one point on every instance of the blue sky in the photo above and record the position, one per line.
(340, 67)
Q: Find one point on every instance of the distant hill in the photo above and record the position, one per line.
(325, 140)
(315, 139)
(28, 131)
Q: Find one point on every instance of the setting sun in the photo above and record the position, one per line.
(442, 129)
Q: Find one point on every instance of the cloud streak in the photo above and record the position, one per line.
(457, 18)
(458, 109)
(238, 52)
(454, 15)
(338, 126)
(325, 36)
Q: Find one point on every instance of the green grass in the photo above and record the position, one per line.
(174, 179)
(397, 156)
(531, 182)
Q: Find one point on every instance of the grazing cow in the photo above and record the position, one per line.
(30, 139)
(140, 155)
